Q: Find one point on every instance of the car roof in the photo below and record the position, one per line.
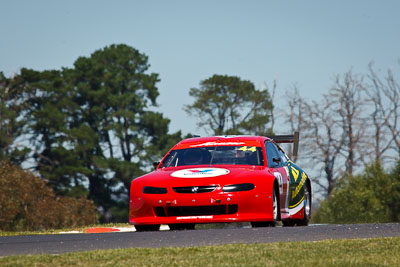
(223, 140)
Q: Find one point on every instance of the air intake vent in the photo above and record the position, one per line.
(196, 210)
(194, 189)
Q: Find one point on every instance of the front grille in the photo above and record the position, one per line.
(195, 210)
(194, 189)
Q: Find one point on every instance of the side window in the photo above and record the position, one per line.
(283, 157)
(273, 158)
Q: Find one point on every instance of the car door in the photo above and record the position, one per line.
(277, 162)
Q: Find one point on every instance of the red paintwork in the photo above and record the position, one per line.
(254, 205)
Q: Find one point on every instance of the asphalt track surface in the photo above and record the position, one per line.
(63, 243)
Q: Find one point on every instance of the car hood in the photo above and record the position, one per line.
(197, 176)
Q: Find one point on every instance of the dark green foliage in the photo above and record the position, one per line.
(47, 110)
(26, 203)
(228, 105)
(114, 93)
(11, 127)
(394, 196)
(373, 196)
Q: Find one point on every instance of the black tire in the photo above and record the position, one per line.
(147, 228)
(307, 207)
(275, 207)
(181, 226)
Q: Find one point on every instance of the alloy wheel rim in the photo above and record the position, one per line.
(306, 202)
(275, 207)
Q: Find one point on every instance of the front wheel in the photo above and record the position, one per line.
(275, 213)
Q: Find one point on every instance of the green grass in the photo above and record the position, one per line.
(358, 252)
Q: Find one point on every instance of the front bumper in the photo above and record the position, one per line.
(200, 208)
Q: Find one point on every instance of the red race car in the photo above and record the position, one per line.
(222, 179)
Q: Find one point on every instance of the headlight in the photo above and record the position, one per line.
(154, 190)
(238, 187)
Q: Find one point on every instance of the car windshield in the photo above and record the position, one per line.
(215, 155)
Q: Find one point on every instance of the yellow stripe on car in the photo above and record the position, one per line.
(297, 190)
(295, 205)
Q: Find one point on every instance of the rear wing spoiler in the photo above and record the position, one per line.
(290, 138)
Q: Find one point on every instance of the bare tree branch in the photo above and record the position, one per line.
(385, 96)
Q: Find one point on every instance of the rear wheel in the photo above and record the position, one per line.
(275, 213)
(146, 228)
(181, 226)
(307, 207)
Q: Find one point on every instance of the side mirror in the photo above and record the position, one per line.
(155, 164)
(276, 160)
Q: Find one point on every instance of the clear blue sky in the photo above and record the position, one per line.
(302, 42)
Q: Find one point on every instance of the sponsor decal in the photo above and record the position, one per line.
(228, 136)
(297, 208)
(297, 204)
(245, 148)
(295, 173)
(297, 190)
(200, 173)
(219, 143)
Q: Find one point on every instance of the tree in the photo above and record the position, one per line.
(47, 106)
(332, 129)
(12, 121)
(272, 110)
(323, 138)
(348, 105)
(295, 117)
(114, 127)
(114, 92)
(366, 198)
(394, 196)
(6, 118)
(228, 105)
(384, 94)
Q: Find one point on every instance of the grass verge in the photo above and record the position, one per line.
(358, 252)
